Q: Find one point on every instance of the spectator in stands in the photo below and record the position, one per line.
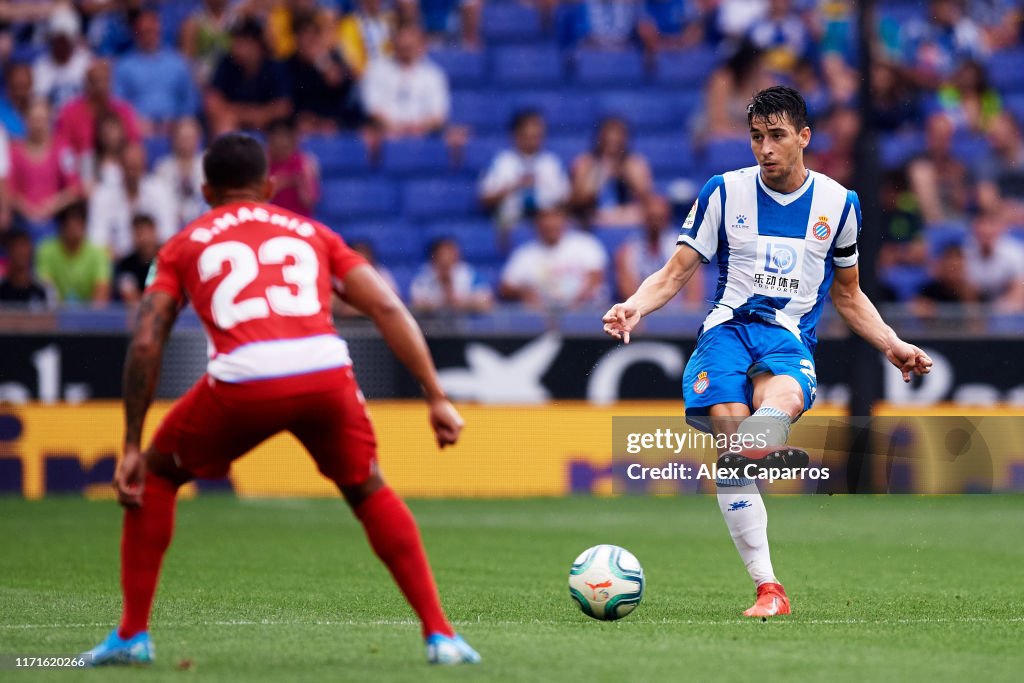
(365, 34)
(446, 20)
(76, 123)
(940, 181)
(903, 241)
(646, 253)
(949, 284)
(43, 176)
(607, 25)
(16, 97)
(323, 86)
(19, 286)
(206, 36)
(112, 206)
(1000, 21)
(894, 103)
(5, 171)
(933, 47)
(727, 94)
(995, 263)
(836, 159)
(59, 73)
(365, 249)
(105, 163)
(296, 174)
(131, 271)
(158, 100)
(406, 96)
(283, 19)
(559, 269)
(77, 269)
(968, 99)
(248, 89)
(449, 284)
(783, 36)
(609, 181)
(1001, 187)
(526, 178)
(182, 171)
(672, 24)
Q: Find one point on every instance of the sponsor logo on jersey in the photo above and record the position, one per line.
(702, 383)
(740, 222)
(738, 505)
(821, 230)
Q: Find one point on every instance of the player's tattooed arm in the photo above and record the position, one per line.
(860, 314)
(156, 316)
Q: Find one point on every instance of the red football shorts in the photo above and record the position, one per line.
(217, 422)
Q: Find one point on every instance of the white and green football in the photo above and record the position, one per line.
(607, 582)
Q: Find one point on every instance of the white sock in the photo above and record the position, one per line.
(747, 520)
(741, 503)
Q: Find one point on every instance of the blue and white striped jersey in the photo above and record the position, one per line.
(776, 252)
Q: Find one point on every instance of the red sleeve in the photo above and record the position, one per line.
(342, 258)
(164, 275)
(131, 122)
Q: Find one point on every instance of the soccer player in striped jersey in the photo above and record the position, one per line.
(784, 237)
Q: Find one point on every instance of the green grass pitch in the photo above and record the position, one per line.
(895, 588)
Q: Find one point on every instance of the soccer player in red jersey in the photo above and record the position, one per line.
(261, 279)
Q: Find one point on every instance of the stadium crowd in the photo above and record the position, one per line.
(499, 150)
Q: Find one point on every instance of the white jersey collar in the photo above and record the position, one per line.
(782, 198)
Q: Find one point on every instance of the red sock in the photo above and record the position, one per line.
(396, 540)
(144, 540)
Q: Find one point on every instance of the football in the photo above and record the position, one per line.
(607, 582)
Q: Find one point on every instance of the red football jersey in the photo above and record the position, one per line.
(260, 278)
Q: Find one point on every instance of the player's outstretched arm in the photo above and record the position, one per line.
(365, 290)
(863, 318)
(653, 293)
(156, 316)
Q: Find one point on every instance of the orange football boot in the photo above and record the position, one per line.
(771, 601)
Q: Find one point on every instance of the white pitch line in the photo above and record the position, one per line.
(550, 622)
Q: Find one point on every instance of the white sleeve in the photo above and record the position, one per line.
(5, 155)
(440, 103)
(375, 88)
(594, 256)
(844, 253)
(517, 271)
(700, 230)
(499, 175)
(552, 182)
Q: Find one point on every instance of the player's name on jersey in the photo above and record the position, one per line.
(230, 219)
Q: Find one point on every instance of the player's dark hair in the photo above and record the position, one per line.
(140, 219)
(776, 104)
(521, 117)
(234, 161)
(79, 210)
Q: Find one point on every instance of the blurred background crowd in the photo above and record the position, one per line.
(493, 152)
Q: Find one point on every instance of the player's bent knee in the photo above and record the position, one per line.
(165, 466)
(356, 494)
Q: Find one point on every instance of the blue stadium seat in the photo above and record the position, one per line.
(156, 148)
(619, 68)
(479, 153)
(647, 111)
(528, 66)
(568, 147)
(477, 238)
(427, 155)
(510, 22)
(483, 111)
(394, 241)
(897, 150)
(463, 67)
(339, 154)
(938, 236)
(564, 110)
(1015, 105)
(345, 200)
(971, 149)
(906, 281)
(403, 275)
(1006, 72)
(612, 238)
(425, 199)
(726, 155)
(669, 155)
(688, 68)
